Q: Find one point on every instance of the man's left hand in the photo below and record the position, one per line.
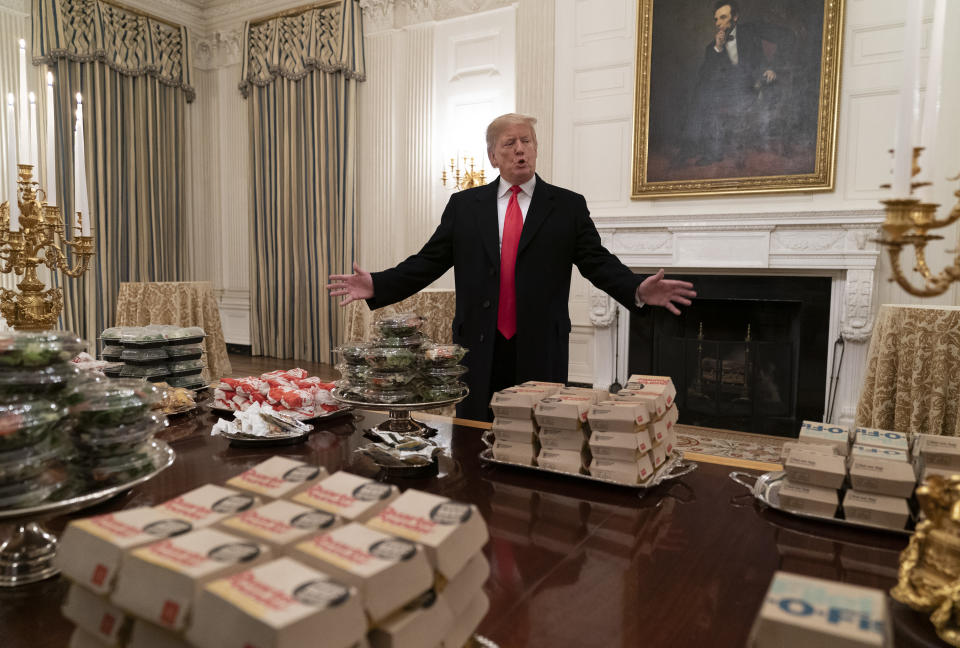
(769, 76)
(657, 291)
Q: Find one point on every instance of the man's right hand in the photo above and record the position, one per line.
(358, 285)
(720, 40)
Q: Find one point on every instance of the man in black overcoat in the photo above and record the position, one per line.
(529, 341)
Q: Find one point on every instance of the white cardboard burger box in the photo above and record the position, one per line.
(176, 569)
(278, 477)
(837, 436)
(662, 384)
(878, 510)
(815, 469)
(555, 439)
(350, 496)
(452, 532)
(883, 477)
(547, 387)
(804, 498)
(620, 446)
(90, 549)
(422, 623)
(521, 430)
(946, 473)
(461, 589)
(624, 472)
(618, 416)
(95, 615)
(595, 395)
(659, 455)
(149, 635)
(208, 504)
(516, 402)
(515, 452)
(803, 612)
(387, 571)
(80, 638)
(940, 452)
(655, 401)
(790, 446)
(571, 461)
(466, 622)
(881, 439)
(562, 412)
(873, 452)
(663, 426)
(281, 523)
(279, 604)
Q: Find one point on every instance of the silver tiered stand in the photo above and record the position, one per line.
(27, 555)
(400, 420)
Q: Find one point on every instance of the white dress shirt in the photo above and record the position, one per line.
(523, 199)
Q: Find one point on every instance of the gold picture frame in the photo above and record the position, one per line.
(736, 119)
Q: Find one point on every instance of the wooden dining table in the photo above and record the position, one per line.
(573, 562)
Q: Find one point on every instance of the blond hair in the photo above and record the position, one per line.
(498, 125)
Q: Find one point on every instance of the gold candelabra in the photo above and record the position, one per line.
(464, 178)
(907, 223)
(39, 240)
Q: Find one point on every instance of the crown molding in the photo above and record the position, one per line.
(19, 7)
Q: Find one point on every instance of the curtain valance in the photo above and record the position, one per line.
(130, 43)
(326, 38)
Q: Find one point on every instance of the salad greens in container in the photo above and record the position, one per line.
(38, 349)
(153, 373)
(399, 325)
(184, 335)
(117, 440)
(21, 494)
(412, 342)
(389, 380)
(144, 356)
(185, 352)
(442, 375)
(31, 461)
(434, 393)
(389, 396)
(354, 374)
(118, 469)
(390, 359)
(352, 353)
(112, 353)
(37, 381)
(194, 381)
(27, 420)
(112, 403)
(436, 354)
(141, 337)
(186, 368)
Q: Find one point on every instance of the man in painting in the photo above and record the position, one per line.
(737, 88)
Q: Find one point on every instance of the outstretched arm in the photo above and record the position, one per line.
(358, 285)
(657, 291)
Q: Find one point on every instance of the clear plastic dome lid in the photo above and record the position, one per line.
(38, 349)
(398, 325)
(26, 419)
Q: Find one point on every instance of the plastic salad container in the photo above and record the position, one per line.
(442, 375)
(389, 380)
(112, 403)
(118, 469)
(354, 374)
(399, 325)
(26, 421)
(185, 368)
(42, 381)
(140, 337)
(120, 439)
(153, 373)
(389, 396)
(413, 342)
(436, 354)
(185, 335)
(390, 358)
(187, 382)
(433, 393)
(352, 353)
(23, 349)
(30, 462)
(151, 356)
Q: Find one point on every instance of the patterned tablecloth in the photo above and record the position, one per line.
(436, 306)
(913, 371)
(186, 303)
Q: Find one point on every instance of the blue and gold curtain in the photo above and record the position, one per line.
(300, 74)
(134, 75)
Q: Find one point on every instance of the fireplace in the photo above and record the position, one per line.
(750, 354)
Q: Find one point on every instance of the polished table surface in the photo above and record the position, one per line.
(573, 562)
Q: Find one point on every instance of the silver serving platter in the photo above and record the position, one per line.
(766, 490)
(312, 419)
(407, 407)
(674, 468)
(162, 457)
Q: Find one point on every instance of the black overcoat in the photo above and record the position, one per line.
(557, 234)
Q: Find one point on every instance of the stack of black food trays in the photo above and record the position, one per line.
(156, 353)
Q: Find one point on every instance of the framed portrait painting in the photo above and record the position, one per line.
(736, 97)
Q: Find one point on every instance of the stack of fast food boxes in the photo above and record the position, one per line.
(869, 473)
(283, 555)
(625, 437)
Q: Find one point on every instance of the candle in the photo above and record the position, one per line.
(906, 112)
(34, 158)
(23, 133)
(12, 164)
(50, 164)
(931, 104)
(81, 204)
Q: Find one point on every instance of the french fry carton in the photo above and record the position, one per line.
(387, 571)
(873, 452)
(350, 496)
(461, 589)
(886, 439)
(563, 460)
(90, 549)
(804, 498)
(878, 510)
(624, 472)
(555, 439)
(513, 452)
(148, 635)
(940, 452)
(800, 612)
(620, 446)
(277, 477)
(837, 436)
(208, 505)
(176, 570)
(466, 622)
(281, 523)
(452, 532)
(815, 469)
(519, 430)
(883, 477)
(562, 412)
(790, 446)
(423, 622)
(95, 615)
(663, 426)
(618, 416)
(516, 402)
(278, 604)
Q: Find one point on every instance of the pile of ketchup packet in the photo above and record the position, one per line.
(293, 392)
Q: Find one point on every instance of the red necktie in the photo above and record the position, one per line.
(512, 226)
